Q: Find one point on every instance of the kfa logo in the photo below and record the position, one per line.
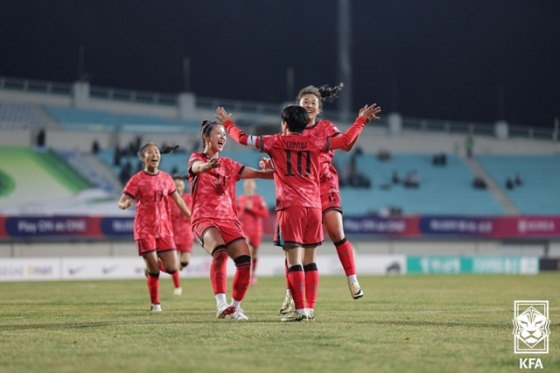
(530, 363)
(530, 331)
(531, 327)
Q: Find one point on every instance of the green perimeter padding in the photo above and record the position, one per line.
(61, 171)
(53, 164)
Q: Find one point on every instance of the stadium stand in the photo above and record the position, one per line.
(15, 115)
(442, 190)
(539, 192)
(79, 119)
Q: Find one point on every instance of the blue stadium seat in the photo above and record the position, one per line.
(540, 192)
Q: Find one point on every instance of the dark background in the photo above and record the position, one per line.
(445, 59)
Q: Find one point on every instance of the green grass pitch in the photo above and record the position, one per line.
(434, 323)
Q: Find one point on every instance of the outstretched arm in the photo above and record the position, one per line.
(199, 166)
(367, 113)
(235, 133)
(253, 173)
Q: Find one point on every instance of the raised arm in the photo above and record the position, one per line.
(367, 113)
(235, 133)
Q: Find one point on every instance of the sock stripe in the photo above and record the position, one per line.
(296, 268)
(310, 267)
(219, 250)
(338, 243)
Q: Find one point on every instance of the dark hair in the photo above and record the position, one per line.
(167, 150)
(323, 93)
(296, 117)
(205, 128)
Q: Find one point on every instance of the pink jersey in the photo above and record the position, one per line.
(181, 224)
(296, 160)
(213, 192)
(251, 218)
(319, 131)
(153, 215)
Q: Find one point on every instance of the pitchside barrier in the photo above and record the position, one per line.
(97, 268)
(428, 227)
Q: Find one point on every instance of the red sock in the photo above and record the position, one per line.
(286, 273)
(253, 267)
(346, 256)
(311, 284)
(218, 269)
(241, 277)
(297, 285)
(176, 277)
(153, 287)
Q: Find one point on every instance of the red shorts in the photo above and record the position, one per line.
(330, 194)
(254, 240)
(230, 230)
(160, 244)
(299, 226)
(184, 245)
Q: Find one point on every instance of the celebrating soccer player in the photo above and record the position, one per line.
(153, 233)
(214, 221)
(251, 211)
(296, 159)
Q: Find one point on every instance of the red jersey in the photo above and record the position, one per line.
(251, 218)
(213, 192)
(319, 131)
(296, 160)
(181, 224)
(296, 163)
(153, 215)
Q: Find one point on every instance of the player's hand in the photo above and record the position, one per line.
(222, 115)
(265, 163)
(370, 112)
(211, 164)
(126, 204)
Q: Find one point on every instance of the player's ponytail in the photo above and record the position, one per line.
(323, 93)
(167, 150)
(329, 93)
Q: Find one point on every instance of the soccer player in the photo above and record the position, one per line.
(251, 211)
(182, 232)
(296, 160)
(311, 99)
(153, 233)
(214, 221)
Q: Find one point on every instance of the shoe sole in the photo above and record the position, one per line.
(358, 296)
(228, 311)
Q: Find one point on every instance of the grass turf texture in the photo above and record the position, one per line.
(410, 323)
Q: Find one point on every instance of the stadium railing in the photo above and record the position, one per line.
(433, 125)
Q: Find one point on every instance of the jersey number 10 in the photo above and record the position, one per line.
(301, 157)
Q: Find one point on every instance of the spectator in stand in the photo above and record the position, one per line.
(395, 178)
(95, 147)
(412, 180)
(517, 180)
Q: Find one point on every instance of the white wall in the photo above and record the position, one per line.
(15, 138)
(416, 247)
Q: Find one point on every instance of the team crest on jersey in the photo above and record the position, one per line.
(531, 327)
